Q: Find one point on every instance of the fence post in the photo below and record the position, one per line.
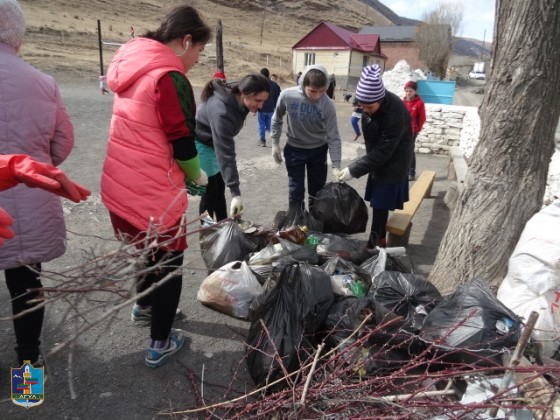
(219, 46)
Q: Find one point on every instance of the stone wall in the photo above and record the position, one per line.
(447, 126)
(451, 125)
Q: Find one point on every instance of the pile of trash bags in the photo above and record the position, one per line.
(299, 287)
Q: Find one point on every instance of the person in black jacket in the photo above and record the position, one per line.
(389, 148)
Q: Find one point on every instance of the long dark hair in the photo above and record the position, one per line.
(250, 84)
(181, 21)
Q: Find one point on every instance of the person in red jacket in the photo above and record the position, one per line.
(151, 155)
(219, 74)
(415, 106)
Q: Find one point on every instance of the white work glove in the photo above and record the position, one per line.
(276, 153)
(344, 175)
(198, 186)
(202, 179)
(236, 206)
(335, 173)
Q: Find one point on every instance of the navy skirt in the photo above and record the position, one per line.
(386, 196)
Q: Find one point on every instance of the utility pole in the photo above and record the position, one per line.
(219, 46)
(482, 49)
(100, 42)
(262, 23)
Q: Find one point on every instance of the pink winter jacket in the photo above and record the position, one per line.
(33, 121)
(141, 180)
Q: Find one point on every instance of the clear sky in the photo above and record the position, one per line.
(478, 15)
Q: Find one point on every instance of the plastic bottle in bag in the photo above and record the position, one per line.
(355, 285)
(358, 288)
(311, 240)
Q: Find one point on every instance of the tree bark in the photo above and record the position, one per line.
(509, 166)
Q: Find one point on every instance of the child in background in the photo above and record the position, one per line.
(219, 74)
(417, 110)
(355, 119)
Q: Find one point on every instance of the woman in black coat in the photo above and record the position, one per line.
(389, 148)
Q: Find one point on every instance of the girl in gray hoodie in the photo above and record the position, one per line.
(219, 119)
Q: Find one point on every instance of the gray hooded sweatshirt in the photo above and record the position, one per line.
(309, 124)
(218, 120)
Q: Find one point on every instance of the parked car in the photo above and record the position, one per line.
(477, 75)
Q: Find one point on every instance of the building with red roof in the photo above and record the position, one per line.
(343, 52)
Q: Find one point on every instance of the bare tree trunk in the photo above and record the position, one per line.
(508, 169)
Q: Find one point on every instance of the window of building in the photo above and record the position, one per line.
(309, 59)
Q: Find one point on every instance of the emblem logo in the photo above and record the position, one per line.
(27, 385)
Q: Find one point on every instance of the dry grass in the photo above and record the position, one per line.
(61, 39)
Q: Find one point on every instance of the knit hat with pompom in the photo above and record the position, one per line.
(370, 88)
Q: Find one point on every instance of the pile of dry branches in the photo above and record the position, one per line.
(356, 379)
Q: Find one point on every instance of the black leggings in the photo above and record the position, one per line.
(165, 298)
(27, 328)
(214, 201)
(378, 226)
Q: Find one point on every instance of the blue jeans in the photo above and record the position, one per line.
(263, 121)
(297, 161)
(356, 125)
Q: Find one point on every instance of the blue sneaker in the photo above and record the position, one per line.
(157, 357)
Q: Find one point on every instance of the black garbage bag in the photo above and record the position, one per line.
(331, 245)
(347, 278)
(410, 296)
(284, 320)
(347, 313)
(381, 261)
(472, 326)
(378, 346)
(281, 249)
(296, 216)
(223, 243)
(340, 208)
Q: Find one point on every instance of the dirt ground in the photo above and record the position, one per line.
(107, 377)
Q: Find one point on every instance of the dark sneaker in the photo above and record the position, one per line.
(140, 314)
(157, 357)
(411, 177)
(263, 144)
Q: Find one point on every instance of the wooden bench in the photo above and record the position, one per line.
(457, 175)
(400, 221)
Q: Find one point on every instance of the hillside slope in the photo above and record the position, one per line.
(62, 38)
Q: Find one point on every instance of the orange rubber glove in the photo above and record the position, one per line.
(5, 223)
(42, 175)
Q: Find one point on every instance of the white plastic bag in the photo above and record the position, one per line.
(532, 282)
(230, 290)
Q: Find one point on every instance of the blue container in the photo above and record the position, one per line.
(436, 91)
